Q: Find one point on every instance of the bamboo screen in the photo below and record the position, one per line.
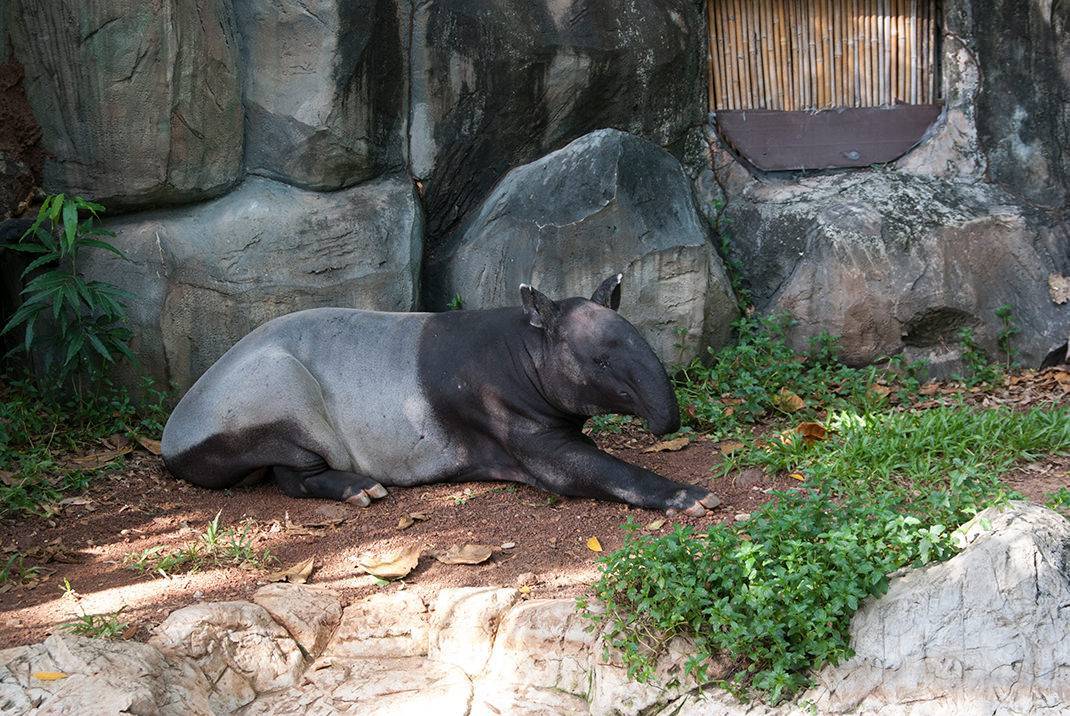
(819, 54)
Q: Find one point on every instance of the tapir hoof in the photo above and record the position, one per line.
(700, 507)
(365, 497)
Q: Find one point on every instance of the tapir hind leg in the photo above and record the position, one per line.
(264, 410)
(328, 484)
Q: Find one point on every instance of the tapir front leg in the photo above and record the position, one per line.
(577, 468)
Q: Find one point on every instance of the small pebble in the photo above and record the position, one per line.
(508, 545)
(525, 579)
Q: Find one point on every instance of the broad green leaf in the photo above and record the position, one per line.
(99, 346)
(77, 341)
(54, 210)
(105, 246)
(70, 224)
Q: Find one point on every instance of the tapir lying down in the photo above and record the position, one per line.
(339, 403)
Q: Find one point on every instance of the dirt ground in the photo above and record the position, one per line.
(143, 506)
(540, 541)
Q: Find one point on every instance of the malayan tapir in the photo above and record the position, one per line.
(339, 403)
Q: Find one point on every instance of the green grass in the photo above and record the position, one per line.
(38, 428)
(1059, 501)
(748, 382)
(15, 570)
(97, 626)
(214, 547)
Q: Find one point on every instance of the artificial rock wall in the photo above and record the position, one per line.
(268, 157)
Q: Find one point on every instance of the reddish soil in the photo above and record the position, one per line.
(141, 506)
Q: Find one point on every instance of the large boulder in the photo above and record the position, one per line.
(139, 103)
(498, 83)
(985, 632)
(71, 675)
(205, 275)
(608, 202)
(1023, 108)
(237, 645)
(897, 264)
(324, 89)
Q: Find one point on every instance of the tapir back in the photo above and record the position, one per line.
(342, 380)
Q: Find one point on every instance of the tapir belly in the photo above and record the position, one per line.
(338, 385)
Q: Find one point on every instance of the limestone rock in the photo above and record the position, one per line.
(382, 625)
(206, 275)
(499, 83)
(891, 263)
(324, 89)
(985, 632)
(464, 622)
(237, 645)
(613, 693)
(543, 643)
(494, 699)
(372, 687)
(102, 677)
(309, 613)
(138, 102)
(609, 202)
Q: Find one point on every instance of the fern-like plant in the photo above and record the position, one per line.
(76, 325)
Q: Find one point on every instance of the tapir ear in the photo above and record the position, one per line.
(542, 311)
(608, 294)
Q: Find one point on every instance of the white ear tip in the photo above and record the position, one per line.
(524, 286)
(620, 277)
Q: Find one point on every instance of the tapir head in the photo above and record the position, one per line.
(595, 362)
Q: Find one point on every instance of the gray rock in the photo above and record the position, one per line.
(138, 102)
(985, 632)
(499, 83)
(100, 677)
(236, 645)
(1023, 108)
(892, 263)
(324, 89)
(608, 202)
(204, 276)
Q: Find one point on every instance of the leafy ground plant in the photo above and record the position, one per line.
(97, 626)
(41, 428)
(85, 324)
(1060, 501)
(214, 547)
(774, 593)
(762, 376)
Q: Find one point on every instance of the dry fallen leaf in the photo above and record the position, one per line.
(49, 675)
(929, 389)
(669, 445)
(882, 390)
(655, 525)
(98, 459)
(295, 574)
(466, 554)
(7, 477)
(405, 522)
(811, 432)
(130, 631)
(593, 544)
(787, 401)
(391, 565)
(728, 447)
(418, 516)
(798, 476)
(149, 444)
